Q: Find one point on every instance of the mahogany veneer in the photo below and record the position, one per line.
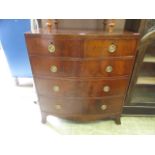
(81, 87)
(81, 68)
(81, 75)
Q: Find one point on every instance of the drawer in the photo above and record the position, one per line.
(53, 46)
(99, 48)
(81, 88)
(62, 105)
(81, 68)
(81, 106)
(106, 105)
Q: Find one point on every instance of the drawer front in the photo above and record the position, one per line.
(80, 88)
(99, 48)
(81, 68)
(81, 106)
(62, 105)
(52, 46)
(106, 106)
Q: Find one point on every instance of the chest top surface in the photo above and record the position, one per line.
(83, 33)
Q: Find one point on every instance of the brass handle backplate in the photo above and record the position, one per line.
(51, 48)
(103, 107)
(112, 48)
(53, 68)
(56, 88)
(109, 69)
(106, 88)
(58, 106)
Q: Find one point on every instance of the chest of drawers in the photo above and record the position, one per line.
(81, 75)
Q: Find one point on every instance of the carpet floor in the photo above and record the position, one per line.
(21, 110)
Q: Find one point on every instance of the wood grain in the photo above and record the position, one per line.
(80, 47)
(80, 84)
(80, 106)
(81, 88)
(99, 48)
(81, 68)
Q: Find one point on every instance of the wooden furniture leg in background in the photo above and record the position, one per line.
(118, 120)
(44, 116)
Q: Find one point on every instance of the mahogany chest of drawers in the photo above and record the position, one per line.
(81, 75)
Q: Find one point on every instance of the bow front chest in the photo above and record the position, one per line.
(81, 75)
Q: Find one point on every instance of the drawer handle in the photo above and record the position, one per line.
(56, 88)
(53, 68)
(106, 88)
(51, 48)
(112, 48)
(103, 107)
(109, 69)
(58, 106)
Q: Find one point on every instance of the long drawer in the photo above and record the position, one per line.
(55, 67)
(81, 106)
(70, 47)
(63, 87)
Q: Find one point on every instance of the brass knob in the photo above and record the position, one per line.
(112, 48)
(51, 48)
(56, 88)
(58, 106)
(103, 107)
(53, 68)
(109, 69)
(106, 88)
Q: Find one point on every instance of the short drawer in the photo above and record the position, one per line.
(81, 68)
(63, 105)
(106, 105)
(55, 47)
(111, 47)
(81, 88)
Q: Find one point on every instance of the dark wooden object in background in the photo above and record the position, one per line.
(132, 25)
(141, 100)
(136, 25)
(141, 91)
(82, 75)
